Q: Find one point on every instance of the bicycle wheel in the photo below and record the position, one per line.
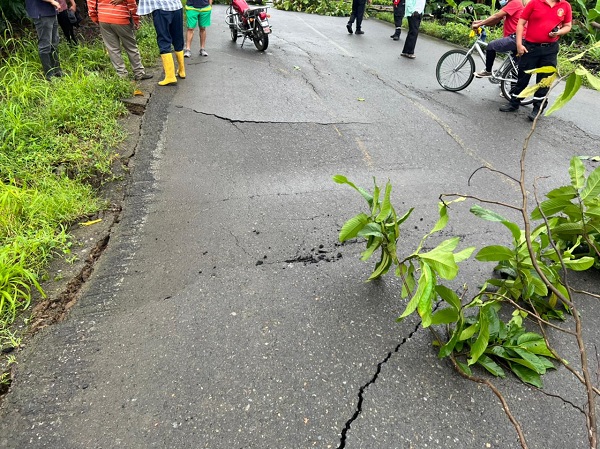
(509, 79)
(455, 70)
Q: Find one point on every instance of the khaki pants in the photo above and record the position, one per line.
(116, 35)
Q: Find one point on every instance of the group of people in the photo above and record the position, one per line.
(531, 30)
(412, 9)
(118, 20)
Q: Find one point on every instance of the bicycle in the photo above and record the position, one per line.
(455, 69)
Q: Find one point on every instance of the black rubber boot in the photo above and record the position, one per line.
(56, 70)
(46, 65)
(396, 35)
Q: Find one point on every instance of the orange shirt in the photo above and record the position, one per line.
(103, 11)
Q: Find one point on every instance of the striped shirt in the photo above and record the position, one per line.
(147, 6)
(102, 11)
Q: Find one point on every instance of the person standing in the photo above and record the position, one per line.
(510, 12)
(414, 13)
(167, 16)
(398, 16)
(546, 21)
(358, 12)
(117, 22)
(65, 22)
(43, 13)
(197, 13)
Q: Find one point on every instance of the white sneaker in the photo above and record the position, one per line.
(203, 52)
(187, 53)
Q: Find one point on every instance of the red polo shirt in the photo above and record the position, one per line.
(513, 10)
(542, 18)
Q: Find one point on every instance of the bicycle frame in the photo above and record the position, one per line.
(477, 48)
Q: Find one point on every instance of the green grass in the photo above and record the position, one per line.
(57, 140)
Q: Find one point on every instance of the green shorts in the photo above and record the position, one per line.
(198, 17)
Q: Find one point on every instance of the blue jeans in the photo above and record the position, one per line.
(169, 30)
(502, 45)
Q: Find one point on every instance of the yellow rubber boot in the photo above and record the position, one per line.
(169, 66)
(180, 64)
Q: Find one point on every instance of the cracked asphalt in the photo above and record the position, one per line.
(224, 313)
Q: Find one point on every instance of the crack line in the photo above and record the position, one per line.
(362, 389)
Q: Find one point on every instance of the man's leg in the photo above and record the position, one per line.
(202, 38)
(360, 13)
(43, 28)
(527, 62)
(127, 36)
(398, 16)
(110, 36)
(414, 22)
(548, 57)
(189, 35)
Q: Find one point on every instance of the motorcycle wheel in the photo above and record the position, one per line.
(234, 33)
(261, 40)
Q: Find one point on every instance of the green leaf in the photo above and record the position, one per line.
(424, 290)
(366, 255)
(534, 343)
(449, 296)
(371, 228)
(580, 264)
(530, 360)
(592, 186)
(408, 274)
(341, 179)
(382, 267)
(482, 341)
(564, 192)
(571, 87)
(464, 368)
(442, 262)
(353, 226)
(545, 69)
(424, 310)
(405, 216)
(469, 332)
(444, 316)
(526, 375)
(568, 229)
(495, 253)
(386, 207)
(463, 254)
(491, 366)
(486, 214)
(443, 220)
(550, 207)
(447, 349)
(577, 173)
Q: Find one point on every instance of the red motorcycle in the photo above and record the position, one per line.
(250, 22)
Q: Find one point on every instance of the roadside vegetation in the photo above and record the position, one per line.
(57, 142)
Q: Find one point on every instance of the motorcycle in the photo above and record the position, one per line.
(250, 22)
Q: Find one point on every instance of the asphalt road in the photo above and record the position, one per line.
(224, 312)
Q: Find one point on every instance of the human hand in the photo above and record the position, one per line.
(521, 50)
(476, 24)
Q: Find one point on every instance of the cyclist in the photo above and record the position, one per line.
(510, 12)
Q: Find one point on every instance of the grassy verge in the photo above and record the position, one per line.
(56, 149)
